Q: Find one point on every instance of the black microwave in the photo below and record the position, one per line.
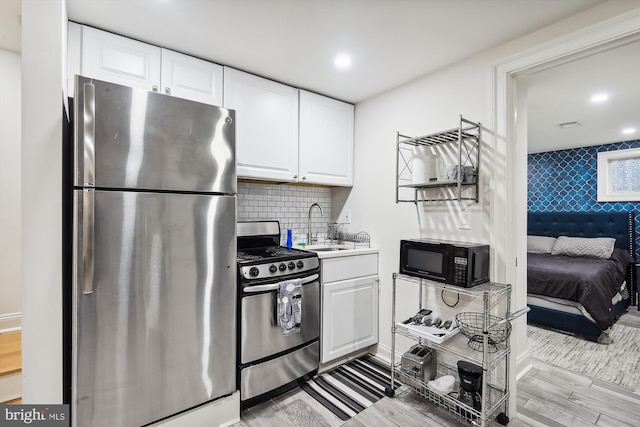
(454, 263)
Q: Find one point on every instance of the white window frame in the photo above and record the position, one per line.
(605, 192)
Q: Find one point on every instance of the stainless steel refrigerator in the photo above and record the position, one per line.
(154, 255)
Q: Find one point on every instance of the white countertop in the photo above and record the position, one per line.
(345, 250)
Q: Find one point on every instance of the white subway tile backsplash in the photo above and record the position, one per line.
(288, 204)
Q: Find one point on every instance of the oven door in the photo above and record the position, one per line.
(260, 334)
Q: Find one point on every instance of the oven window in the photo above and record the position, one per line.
(425, 261)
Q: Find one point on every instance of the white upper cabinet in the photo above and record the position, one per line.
(282, 133)
(187, 77)
(266, 126)
(117, 59)
(113, 58)
(326, 140)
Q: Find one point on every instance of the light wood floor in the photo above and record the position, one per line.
(11, 356)
(546, 396)
(10, 352)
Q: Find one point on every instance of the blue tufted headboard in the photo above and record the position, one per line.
(620, 225)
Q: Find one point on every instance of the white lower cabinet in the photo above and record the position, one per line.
(349, 305)
(349, 317)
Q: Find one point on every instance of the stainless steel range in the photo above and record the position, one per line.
(270, 359)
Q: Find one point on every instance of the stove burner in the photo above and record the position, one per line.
(242, 255)
(262, 258)
(277, 251)
(268, 252)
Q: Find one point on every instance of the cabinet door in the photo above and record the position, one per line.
(326, 140)
(349, 317)
(266, 126)
(117, 59)
(191, 78)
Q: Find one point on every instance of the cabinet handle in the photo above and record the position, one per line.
(304, 177)
(154, 88)
(167, 90)
(295, 176)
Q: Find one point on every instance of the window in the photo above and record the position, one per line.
(619, 175)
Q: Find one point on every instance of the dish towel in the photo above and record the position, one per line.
(289, 306)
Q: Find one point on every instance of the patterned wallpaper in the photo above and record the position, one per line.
(566, 180)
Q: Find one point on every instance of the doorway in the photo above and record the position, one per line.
(510, 207)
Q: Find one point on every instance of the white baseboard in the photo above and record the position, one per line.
(384, 353)
(523, 364)
(10, 322)
(10, 386)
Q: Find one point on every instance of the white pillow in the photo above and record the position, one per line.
(594, 247)
(540, 244)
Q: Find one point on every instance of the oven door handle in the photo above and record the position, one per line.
(275, 286)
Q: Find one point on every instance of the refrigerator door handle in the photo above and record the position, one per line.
(88, 228)
(89, 133)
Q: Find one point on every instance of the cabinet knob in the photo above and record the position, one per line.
(295, 176)
(167, 90)
(154, 88)
(304, 177)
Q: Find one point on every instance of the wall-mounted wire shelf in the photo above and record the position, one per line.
(459, 147)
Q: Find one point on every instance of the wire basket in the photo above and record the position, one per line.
(471, 326)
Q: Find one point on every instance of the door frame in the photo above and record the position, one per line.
(509, 198)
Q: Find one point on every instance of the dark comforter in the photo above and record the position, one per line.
(591, 282)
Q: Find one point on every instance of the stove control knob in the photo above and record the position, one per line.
(291, 265)
(253, 271)
(282, 267)
(273, 268)
(300, 264)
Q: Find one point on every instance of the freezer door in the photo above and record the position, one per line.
(129, 138)
(154, 320)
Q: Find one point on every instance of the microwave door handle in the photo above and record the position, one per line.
(473, 267)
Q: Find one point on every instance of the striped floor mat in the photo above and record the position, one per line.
(352, 387)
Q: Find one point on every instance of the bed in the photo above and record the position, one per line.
(580, 295)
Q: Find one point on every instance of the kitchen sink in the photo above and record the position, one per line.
(327, 248)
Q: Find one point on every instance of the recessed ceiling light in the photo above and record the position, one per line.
(628, 131)
(567, 125)
(342, 61)
(600, 97)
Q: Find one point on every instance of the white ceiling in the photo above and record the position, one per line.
(295, 41)
(563, 94)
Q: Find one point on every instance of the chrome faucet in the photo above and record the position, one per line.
(309, 234)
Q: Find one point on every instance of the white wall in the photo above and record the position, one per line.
(44, 25)
(10, 243)
(431, 104)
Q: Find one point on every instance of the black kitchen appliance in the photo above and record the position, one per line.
(470, 384)
(270, 361)
(455, 263)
